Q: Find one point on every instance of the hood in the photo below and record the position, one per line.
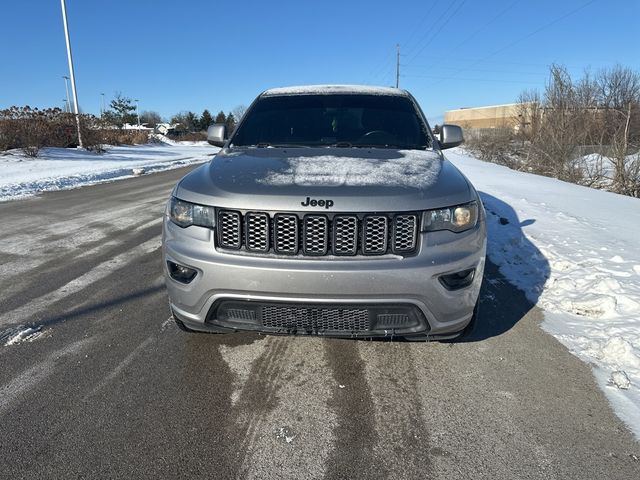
(353, 179)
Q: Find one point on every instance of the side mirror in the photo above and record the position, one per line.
(215, 134)
(450, 136)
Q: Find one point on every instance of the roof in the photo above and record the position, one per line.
(486, 106)
(334, 89)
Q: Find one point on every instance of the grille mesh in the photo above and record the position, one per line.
(318, 235)
(285, 233)
(257, 232)
(374, 233)
(229, 223)
(316, 319)
(345, 235)
(404, 233)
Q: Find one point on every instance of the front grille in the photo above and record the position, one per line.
(318, 235)
(316, 319)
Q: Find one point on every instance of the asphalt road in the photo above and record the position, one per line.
(110, 388)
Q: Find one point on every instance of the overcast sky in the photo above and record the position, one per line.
(192, 55)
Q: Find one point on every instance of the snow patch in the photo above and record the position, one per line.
(22, 334)
(619, 379)
(573, 250)
(65, 168)
(417, 169)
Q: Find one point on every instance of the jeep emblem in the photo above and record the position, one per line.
(309, 202)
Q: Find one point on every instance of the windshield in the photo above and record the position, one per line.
(333, 120)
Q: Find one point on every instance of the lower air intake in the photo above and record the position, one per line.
(316, 319)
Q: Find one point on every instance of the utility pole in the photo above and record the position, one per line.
(66, 87)
(397, 66)
(71, 73)
(102, 105)
(137, 113)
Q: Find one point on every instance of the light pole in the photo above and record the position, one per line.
(71, 73)
(102, 105)
(137, 113)
(66, 87)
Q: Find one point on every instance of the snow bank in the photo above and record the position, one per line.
(575, 252)
(415, 169)
(64, 168)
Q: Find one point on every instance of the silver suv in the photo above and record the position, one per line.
(331, 211)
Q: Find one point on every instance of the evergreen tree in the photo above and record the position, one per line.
(221, 117)
(122, 111)
(205, 120)
(230, 124)
(187, 121)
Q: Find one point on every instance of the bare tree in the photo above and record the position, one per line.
(238, 112)
(150, 118)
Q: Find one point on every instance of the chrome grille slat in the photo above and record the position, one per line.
(318, 234)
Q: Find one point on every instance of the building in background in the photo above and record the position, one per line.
(496, 116)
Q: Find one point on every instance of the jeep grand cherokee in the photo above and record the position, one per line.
(330, 210)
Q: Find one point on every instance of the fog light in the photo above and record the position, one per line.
(180, 273)
(456, 281)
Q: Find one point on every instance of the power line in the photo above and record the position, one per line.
(382, 67)
(442, 25)
(432, 26)
(485, 25)
(417, 27)
(485, 70)
(496, 80)
(529, 35)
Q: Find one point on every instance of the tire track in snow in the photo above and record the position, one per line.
(120, 367)
(57, 266)
(281, 413)
(25, 313)
(356, 434)
(19, 386)
(403, 434)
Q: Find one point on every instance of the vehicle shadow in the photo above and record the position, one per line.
(515, 272)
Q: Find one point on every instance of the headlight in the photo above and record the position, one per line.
(456, 219)
(185, 214)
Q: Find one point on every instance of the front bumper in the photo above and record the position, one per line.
(371, 282)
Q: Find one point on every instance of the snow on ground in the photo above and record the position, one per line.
(63, 168)
(19, 334)
(574, 251)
